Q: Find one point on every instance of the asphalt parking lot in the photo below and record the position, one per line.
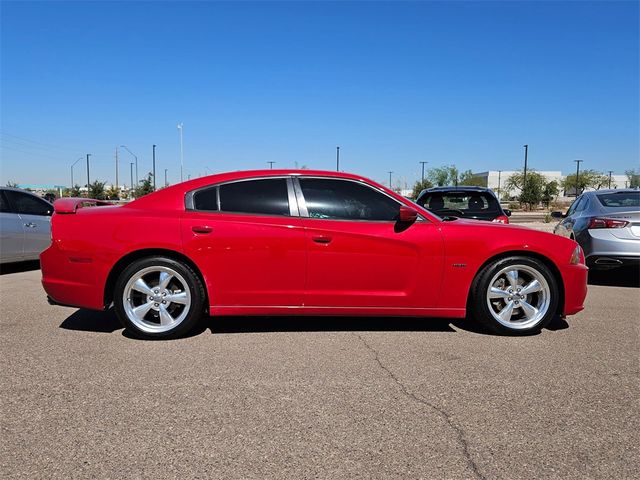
(319, 397)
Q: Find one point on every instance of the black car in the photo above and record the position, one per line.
(478, 203)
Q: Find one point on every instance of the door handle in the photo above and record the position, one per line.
(202, 229)
(321, 239)
(30, 225)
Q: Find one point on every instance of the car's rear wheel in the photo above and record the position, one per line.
(515, 295)
(158, 297)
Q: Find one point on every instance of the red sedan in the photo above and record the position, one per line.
(302, 242)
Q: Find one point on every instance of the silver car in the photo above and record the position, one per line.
(606, 224)
(25, 225)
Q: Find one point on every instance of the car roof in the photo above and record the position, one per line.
(461, 188)
(612, 190)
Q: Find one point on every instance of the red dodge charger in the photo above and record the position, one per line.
(302, 242)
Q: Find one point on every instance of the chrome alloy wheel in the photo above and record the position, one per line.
(156, 299)
(518, 297)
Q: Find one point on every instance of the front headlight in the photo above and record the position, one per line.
(577, 257)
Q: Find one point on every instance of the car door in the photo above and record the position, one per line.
(35, 215)
(565, 227)
(248, 239)
(358, 255)
(11, 233)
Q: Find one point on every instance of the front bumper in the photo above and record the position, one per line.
(575, 288)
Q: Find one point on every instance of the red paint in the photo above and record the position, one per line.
(271, 265)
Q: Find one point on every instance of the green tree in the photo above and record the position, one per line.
(419, 186)
(587, 179)
(113, 193)
(532, 193)
(145, 186)
(443, 176)
(96, 190)
(12, 184)
(550, 191)
(71, 192)
(468, 178)
(633, 177)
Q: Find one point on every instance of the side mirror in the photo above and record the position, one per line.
(507, 212)
(407, 215)
(558, 215)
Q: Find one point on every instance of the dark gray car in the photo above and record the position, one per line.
(25, 225)
(606, 224)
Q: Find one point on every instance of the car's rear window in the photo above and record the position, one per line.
(619, 199)
(467, 202)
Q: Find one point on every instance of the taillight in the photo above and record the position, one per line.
(501, 219)
(597, 222)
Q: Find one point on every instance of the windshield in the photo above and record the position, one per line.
(467, 203)
(619, 199)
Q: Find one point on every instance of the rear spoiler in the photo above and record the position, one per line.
(71, 205)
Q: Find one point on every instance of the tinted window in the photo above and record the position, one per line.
(4, 206)
(28, 204)
(466, 202)
(206, 199)
(619, 199)
(266, 196)
(339, 199)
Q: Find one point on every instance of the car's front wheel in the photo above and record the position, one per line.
(159, 297)
(514, 295)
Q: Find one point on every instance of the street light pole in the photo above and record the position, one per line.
(165, 177)
(499, 173)
(610, 172)
(72, 170)
(154, 168)
(524, 178)
(131, 167)
(577, 175)
(134, 156)
(271, 165)
(180, 126)
(423, 163)
(88, 155)
(117, 186)
(337, 159)
(390, 179)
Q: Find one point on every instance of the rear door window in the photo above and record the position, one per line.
(267, 196)
(27, 204)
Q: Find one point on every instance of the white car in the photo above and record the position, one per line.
(25, 225)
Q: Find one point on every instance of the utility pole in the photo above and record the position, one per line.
(524, 178)
(271, 165)
(154, 168)
(578, 175)
(390, 180)
(88, 155)
(423, 163)
(134, 156)
(610, 172)
(165, 177)
(337, 159)
(117, 184)
(72, 184)
(180, 126)
(131, 165)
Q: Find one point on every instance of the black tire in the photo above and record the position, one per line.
(182, 299)
(521, 319)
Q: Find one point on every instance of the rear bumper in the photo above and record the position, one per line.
(70, 282)
(575, 288)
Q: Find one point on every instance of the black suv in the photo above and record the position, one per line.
(478, 203)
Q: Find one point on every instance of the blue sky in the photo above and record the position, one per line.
(464, 83)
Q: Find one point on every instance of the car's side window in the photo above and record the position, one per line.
(4, 205)
(28, 204)
(268, 196)
(346, 200)
(574, 206)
